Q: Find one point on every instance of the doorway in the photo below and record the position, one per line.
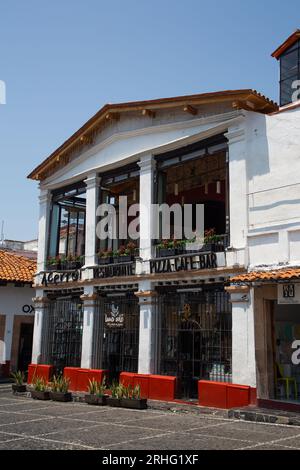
(195, 336)
(120, 345)
(25, 346)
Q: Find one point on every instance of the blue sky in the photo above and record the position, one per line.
(62, 60)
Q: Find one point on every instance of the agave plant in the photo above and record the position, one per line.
(60, 384)
(40, 384)
(101, 387)
(136, 392)
(92, 387)
(19, 377)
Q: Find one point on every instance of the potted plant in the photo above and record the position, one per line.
(166, 248)
(96, 395)
(211, 239)
(116, 395)
(19, 378)
(79, 261)
(40, 390)
(131, 398)
(105, 256)
(53, 263)
(60, 389)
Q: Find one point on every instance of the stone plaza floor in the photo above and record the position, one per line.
(30, 424)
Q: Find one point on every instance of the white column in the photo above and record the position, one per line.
(9, 327)
(148, 329)
(89, 299)
(40, 304)
(243, 339)
(147, 167)
(238, 186)
(92, 200)
(44, 215)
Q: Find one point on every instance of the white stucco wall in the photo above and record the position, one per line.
(12, 300)
(273, 174)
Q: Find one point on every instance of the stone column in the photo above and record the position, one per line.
(87, 350)
(44, 216)
(148, 329)
(92, 200)
(243, 337)
(147, 167)
(40, 305)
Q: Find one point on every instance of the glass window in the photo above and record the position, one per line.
(67, 227)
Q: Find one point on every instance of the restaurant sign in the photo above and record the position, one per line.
(184, 263)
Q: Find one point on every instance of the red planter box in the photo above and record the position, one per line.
(39, 370)
(224, 395)
(162, 387)
(71, 374)
(212, 394)
(84, 375)
(237, 395)
(126, 378)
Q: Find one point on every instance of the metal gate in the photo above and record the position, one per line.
(120, 330)
(195, 336)
(62, 333)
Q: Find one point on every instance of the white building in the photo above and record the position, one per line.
(271, 326)
(160, 312)
(16, 312)
(221, 313)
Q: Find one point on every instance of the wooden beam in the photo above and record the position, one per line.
(149, 113)
(190, 109)
(112, 116)
(86, 139)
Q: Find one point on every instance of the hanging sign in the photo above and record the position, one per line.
(288, 293)
(114, 319)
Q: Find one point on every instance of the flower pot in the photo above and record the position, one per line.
(96, 399)
(134, 403)
(18, 388)
(61, 396)
(38, 395)
(164, 252)
(114, 401)
(106, 260)
(125, 258)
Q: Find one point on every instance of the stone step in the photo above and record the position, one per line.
(261, 415)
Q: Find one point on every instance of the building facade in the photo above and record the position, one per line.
(151, 305)
(16, 312)
(272, 281)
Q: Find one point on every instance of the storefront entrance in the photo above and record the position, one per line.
(286, 332)
(195, 336)
(62, 332)
(120, 345)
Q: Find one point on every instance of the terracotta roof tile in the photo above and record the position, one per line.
(275, 275)
(16, 268)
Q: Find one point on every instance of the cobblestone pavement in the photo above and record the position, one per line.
(30, 424)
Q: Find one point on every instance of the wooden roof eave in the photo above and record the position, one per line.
(81, 137)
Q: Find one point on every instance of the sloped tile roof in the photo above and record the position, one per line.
(16, 268)
(275, 275)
